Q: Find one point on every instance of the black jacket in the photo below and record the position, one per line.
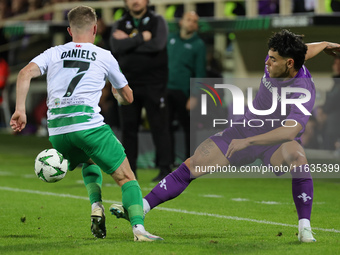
(142, 62)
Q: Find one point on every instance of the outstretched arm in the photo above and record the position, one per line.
(276, 136)
(18, 120)
(328, 47)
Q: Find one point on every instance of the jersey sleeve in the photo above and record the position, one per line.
(42, 61)
(115, 76)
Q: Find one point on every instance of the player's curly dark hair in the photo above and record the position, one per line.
(290, 45)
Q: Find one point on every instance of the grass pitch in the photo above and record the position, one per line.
(213, 216)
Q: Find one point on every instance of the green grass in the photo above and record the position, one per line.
(49, 223)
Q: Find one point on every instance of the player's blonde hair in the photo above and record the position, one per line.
(81, 17)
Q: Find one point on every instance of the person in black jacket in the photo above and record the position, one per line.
(138, 42)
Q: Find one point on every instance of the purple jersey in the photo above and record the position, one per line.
(263, 100)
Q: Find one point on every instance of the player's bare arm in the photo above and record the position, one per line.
(276, 136)
(124, 96)
(329, 48)
(19, 119)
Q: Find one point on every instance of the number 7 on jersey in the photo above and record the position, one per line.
(83, 67)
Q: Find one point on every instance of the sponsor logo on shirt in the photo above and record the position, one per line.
(57, 101)
(269, 86)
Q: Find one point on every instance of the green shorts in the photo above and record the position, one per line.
(99, 144)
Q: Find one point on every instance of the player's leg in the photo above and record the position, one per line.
(92, 177)
(292, 154)
(132, 201)
(106, 151)
(207, 154)
(93, 180)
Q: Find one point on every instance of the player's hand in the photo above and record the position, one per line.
(125, 98)
(146, 36)
(332, 49)
(120, 34)
(18, 121)
(236, 145)
(116, 95)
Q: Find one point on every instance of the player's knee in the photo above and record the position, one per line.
(123, 173)
(296, 158)
(193, 163)
(122, 177)
(197, 166)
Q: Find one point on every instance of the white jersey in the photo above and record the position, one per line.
(76, 75)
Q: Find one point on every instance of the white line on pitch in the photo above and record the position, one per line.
(211, 195)
(269, 202)
(167, 209)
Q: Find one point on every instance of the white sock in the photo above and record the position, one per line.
(96, 204)
(146, 206)
(304, 223)
(139, 228)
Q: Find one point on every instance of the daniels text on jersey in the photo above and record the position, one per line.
(78, 53)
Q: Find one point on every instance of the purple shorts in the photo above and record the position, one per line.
(249, 154)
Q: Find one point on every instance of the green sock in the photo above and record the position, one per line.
(133, 202)
(93, 180)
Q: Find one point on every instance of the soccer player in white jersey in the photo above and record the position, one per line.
(76, 74)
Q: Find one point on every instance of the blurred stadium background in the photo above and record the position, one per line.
(235, 33)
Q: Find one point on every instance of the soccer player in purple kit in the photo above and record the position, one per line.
(272, 142)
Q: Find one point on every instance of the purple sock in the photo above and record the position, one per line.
(170, 187)
(302, 188)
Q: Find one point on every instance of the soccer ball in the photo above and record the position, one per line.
(50, 166)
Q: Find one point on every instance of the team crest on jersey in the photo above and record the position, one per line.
(128, 24)
(57, 101)
(172, 41)
(146, 20)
